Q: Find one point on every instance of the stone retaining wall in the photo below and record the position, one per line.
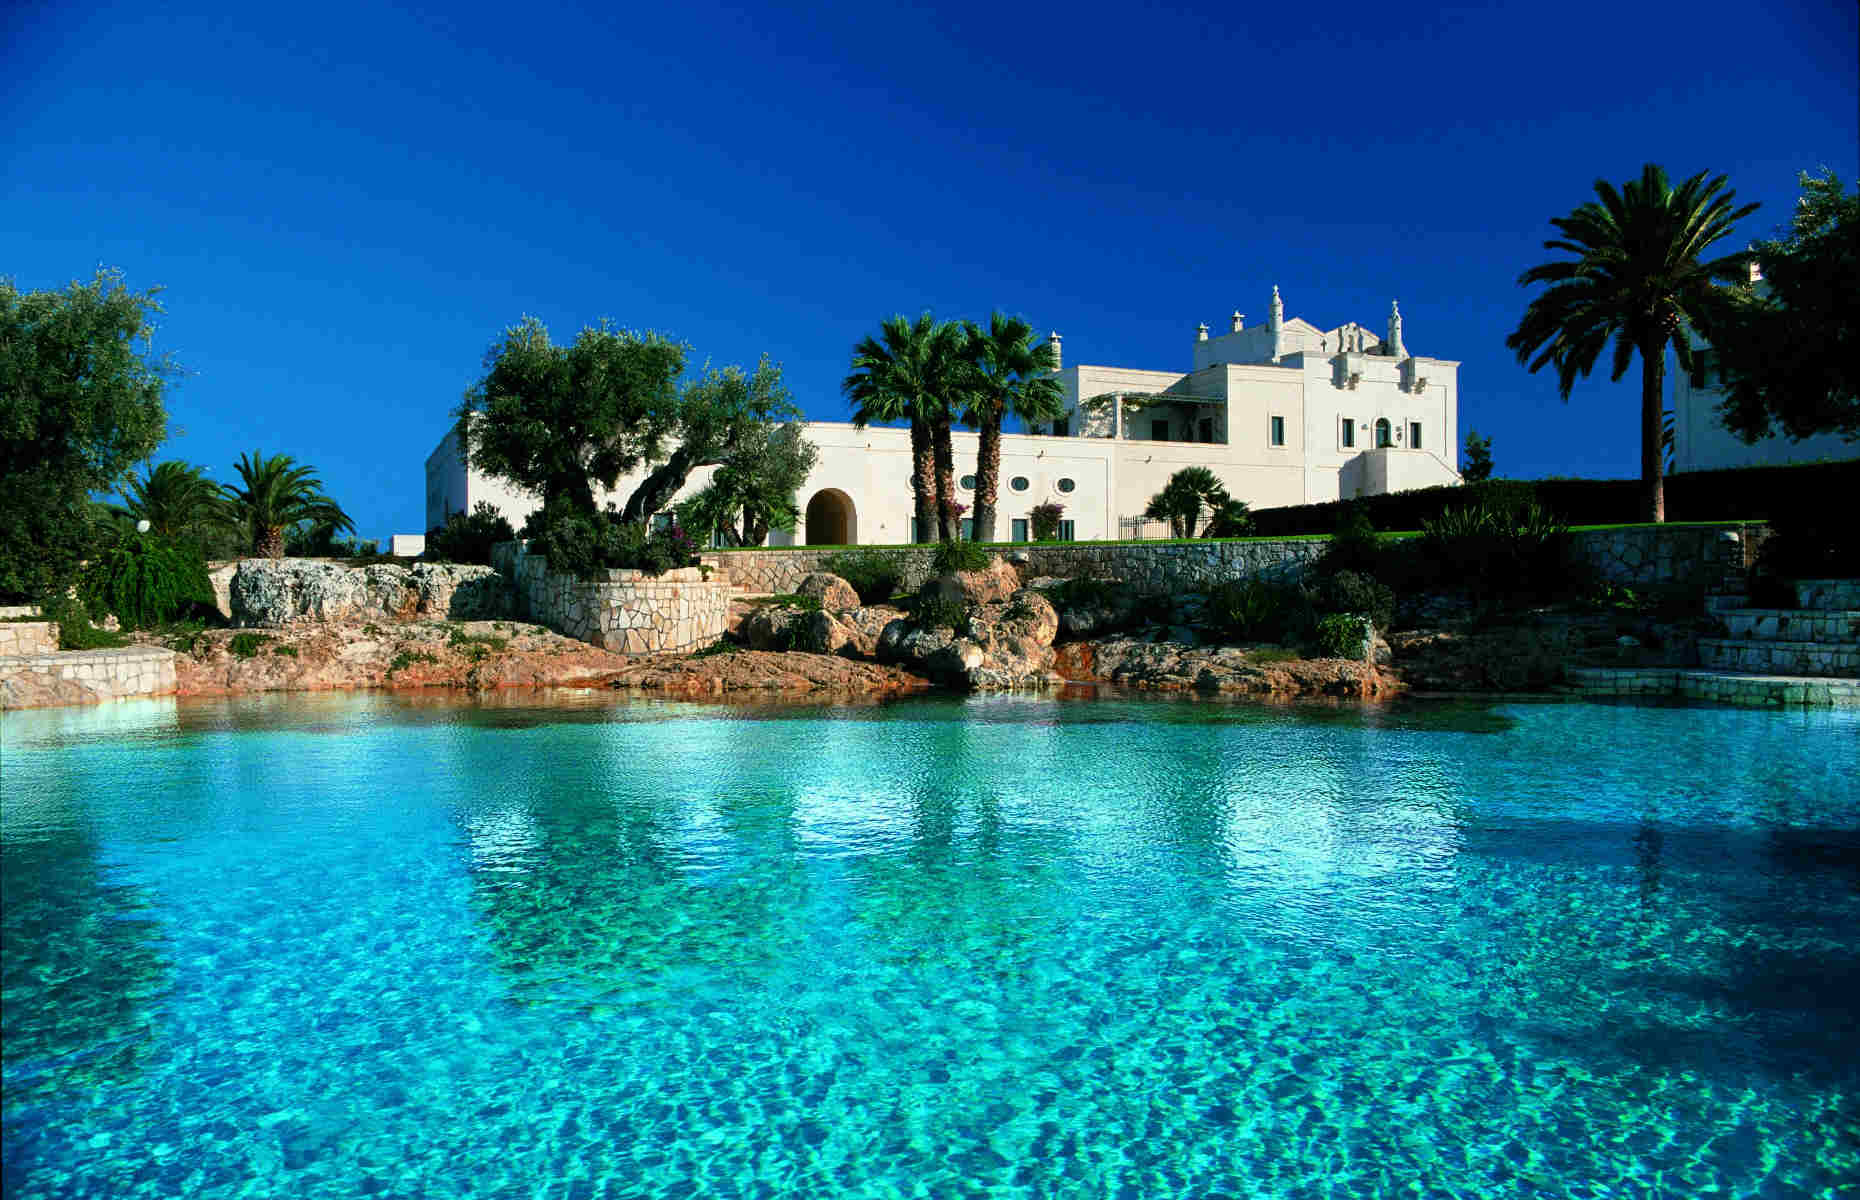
(28, 637)
(1713, 555)
(625, 611)
(10, 611)
(85, 676)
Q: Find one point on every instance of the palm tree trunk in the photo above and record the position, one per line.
(923, 486)
(948, 525)
(1652, 405)
(987, 477)
(270, 542)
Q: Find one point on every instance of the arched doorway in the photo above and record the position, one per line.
(1382, 433)
(831, 520)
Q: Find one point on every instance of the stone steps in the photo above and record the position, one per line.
(1723, 687)
(1794, 624)
(1818, 658)
(1828, 595)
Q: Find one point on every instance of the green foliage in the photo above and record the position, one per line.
(1258, 610)
(75, 632)
(468, 537)
(929, 610)
(1788, 350)
(1810, 541)
(147, 580)
(1045, 519)
(1636, 279)
(756, 484)
(284, 651)
(874, 574)
(274, 494)
(580, 544)
(1350, 592)
(1476, 459)
(1188, 491)
(1232, 518)
(406, 658)
(1010, 375)
(727, 417)
(949, 558)
(921, 372)
(1355, 546)
(80, 403)
(1501, 553)
(1340, 635)
(178, 501)
(1083, 592)
(475, 646)
(792, 600)
(246, 645)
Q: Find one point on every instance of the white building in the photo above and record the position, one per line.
(1284, 413)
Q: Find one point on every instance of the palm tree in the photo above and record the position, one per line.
(912, 372)
(1636, 278)
(175, 498)
(276, 494)
(1188, 492)
(1012, 377)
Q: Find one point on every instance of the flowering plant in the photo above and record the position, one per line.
(1046, 520)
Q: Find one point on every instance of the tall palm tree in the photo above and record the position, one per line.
(175, 498)
(1012, 377)
(913, 371)
(1637, 278)
(277, 493)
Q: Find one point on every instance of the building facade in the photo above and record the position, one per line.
(1283, 413)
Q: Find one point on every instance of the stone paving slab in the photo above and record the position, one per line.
(1724, 687)
(1839, 659)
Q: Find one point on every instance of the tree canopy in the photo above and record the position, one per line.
(1637, 278)
(756, 484)
(917, 371)
(1011, 376)
(81, 402)
(1787, 349)
(1183, 498)
(274, 495)
(722, 415)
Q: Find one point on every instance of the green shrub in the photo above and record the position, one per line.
(284, 651)
(931, 611)
(793, 600)
(950, 558)
(1341, 635)
(580, 544)
(1501, 553)
(1350, 592)
(474, 646)
(406, 658)
(1354, 546)
(1258, 610)
(1082, 592)
(874, 574)
(468, 537)
(146, 579)
(75, 632)
(1045, 520)
(245, 645)
(1232, 518)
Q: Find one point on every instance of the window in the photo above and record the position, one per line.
(1018, 526)
(1205, 430)
(1065, 531)
(1383, 437)
(1349, 434)
(968, 529)
(1066, 485)
(968, 483)
(1414, 435)
(1019, 483)
(1278, 431)
(661, 521)
(1159, 430)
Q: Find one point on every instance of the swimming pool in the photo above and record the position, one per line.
(342, 945)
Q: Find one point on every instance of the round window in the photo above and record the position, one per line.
(1019, 483)
(968, 483)
(1066, 485)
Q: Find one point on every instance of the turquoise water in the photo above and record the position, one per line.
(347, 946)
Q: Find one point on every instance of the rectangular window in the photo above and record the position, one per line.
(1019, 527)
(661, 521)
(1414, 435)
(1206, 429)
(1065, 531)
(968, 529)
(1349, 433)
(1159, 431)
(1278, 431)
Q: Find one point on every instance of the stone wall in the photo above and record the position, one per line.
(85, 676)
(28, 637)
(625, 611)
(1715, 555)
(1148, 566)
(270, 593)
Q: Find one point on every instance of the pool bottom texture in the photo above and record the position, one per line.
(344, 946)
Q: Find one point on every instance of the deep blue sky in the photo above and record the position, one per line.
(345, 203)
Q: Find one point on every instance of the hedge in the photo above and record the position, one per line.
(1738, 494)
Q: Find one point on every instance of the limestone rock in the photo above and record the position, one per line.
(1172, 666)
(994, 583)
(272, 593)
(834, 593)
(1003, 645)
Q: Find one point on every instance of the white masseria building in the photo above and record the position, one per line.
(1284, 413)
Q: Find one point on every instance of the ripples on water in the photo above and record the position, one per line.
(344, 946)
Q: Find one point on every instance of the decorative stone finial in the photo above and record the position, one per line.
(1201, 332)
(1239, 320)
(1395, 347)
(1052, 339)
(1275, 316)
